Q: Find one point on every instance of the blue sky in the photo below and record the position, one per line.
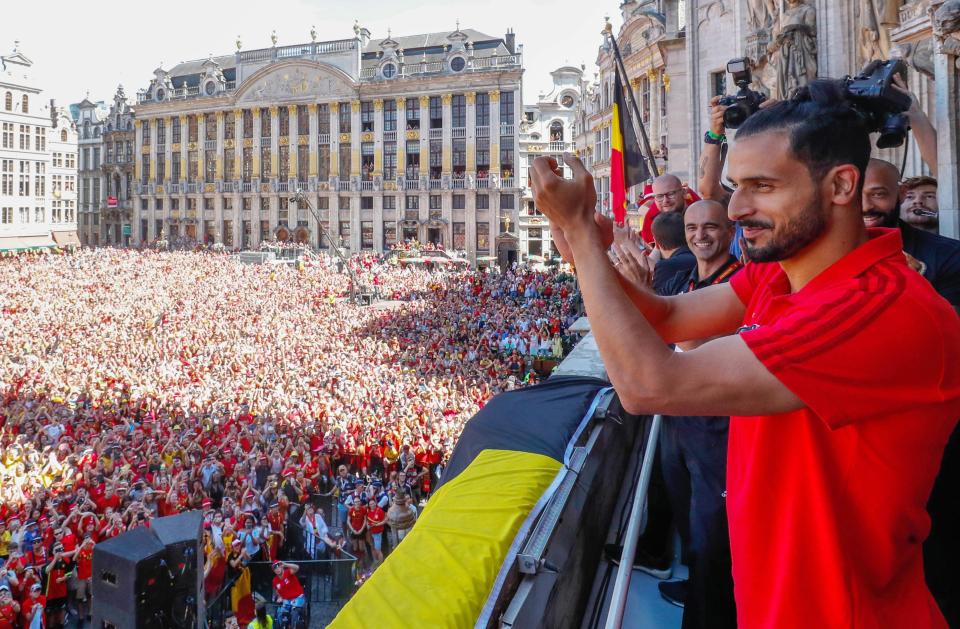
(95, 47)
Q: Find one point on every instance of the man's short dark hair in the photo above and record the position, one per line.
(667, 230)
(916, 182)
(825, 131)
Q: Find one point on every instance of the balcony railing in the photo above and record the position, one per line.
(281, 186)
(411, 184)
(560, 147)
(323, 138)
(210, 145)
(436, 184)
(246, 186)
(343, 186)
(458, 184)
(483, 184)
(506, 129)
(483, 132)
(507, 182)
(494, 62)
(389, 136)
(436, 134)
(458, 133)
(228, 186)
(366, 185)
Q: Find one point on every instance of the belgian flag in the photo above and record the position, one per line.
(627, 166)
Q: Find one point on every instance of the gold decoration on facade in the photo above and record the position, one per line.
(377, 104)
(495, 96)
(228, 144)
(247, 143)
(192, 146)
(274, 110)
(424, 101)
(334, 108)
(255, 111)
(292, 110)
(219, 115)
(635, 82)
(312, 108)
(355, 106)
(390, 186)
(413, 135)
(344, 137)
(366, 137)
(284, 140)
(137, 123)
(303, 140)
(446, 99)
(175, 147)
(651, 75)
(324, 185)
(265, 188)
(210, 188)
(666, 81)
(401, 102)
(160, 189)
(471, 97)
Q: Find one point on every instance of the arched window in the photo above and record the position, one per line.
(63, 135)
(25, 107)
(8, 101)
(556, 131)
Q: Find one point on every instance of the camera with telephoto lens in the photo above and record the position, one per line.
(745, 102)
(879, 102)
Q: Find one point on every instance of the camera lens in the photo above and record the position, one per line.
(735, 115)
(893, 131)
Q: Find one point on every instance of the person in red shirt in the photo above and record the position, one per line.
(357, 523)
(58, 572)
(33, 605)
(839, 368)
(288, 591)
(376, 517)
(84, 576)
(9, 609)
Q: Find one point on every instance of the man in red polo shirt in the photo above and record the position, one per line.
(839, 369)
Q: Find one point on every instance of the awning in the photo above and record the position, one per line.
(26, 243)
(66, 239)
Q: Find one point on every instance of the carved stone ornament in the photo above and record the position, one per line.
(471, 98)
(344, 137)
(377, 104)
(355, 106)
(495, 96)
(424, 101)
(446, 99)
(413, 135)
(793, 50)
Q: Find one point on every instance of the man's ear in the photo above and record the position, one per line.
(843, 183)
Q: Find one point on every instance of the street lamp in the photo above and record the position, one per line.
(298, 198)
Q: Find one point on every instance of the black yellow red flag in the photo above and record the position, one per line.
(627, 166)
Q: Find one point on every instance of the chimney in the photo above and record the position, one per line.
(511, 41)
(53, 112)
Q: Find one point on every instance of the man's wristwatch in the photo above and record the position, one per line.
(712, 138)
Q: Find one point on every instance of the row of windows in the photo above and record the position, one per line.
(26, 132)
(64, 160)
(24, 103)
(410, 202)
(344, 119)
(23, 215)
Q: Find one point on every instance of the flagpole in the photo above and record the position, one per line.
(636, 119)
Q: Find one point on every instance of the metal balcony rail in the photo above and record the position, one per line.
(458, 133)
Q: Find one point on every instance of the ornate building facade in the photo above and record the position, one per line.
(546, 129)
(89, 117)
(116, 209)
(37, 147)
(401, 138)
(681, 48)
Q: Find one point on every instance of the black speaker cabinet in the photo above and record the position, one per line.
(151, 577)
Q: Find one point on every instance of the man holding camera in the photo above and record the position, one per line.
(831, 454)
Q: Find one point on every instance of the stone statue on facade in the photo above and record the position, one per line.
(793, 50)
(946, 25)
(762, 14)
(877, 18)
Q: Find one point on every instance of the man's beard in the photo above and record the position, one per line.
(791, 237)
(887, 219)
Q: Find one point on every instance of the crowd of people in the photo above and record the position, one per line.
(140, 384)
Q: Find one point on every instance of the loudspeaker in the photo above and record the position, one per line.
(182, 535)
(125, 574)
(150, 577)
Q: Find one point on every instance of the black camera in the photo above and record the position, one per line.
(879, 102)
(745, 102)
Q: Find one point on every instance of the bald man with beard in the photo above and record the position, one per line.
(936, 257)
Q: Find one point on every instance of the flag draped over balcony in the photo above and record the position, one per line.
(627, 166)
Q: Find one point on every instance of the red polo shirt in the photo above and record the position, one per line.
(827, 504)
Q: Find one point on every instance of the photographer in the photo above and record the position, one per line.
(822, 529)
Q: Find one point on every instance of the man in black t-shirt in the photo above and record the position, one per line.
(675, 257)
